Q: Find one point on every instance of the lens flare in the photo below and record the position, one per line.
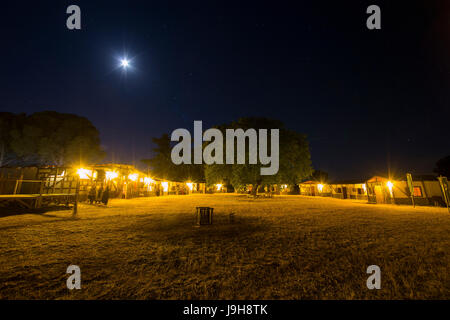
(124, 63)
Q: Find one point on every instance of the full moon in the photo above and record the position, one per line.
(124, 63)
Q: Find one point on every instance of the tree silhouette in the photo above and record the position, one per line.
(443, 167)
(162, 166)
(50, 138)
(294, 161)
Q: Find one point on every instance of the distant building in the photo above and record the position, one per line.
(124, 181)
(426, 190)
(349, 189)
(315, 188)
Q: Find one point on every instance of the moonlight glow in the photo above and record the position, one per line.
(124, 63)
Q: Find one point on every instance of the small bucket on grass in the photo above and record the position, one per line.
(204, 216)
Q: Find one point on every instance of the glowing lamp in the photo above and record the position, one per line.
(219, 186)
(133, 176)
(84, 173)
(190, 185)
(165, 186)
(110, 175)
(148, 180)
(320, 187)
(390, 185)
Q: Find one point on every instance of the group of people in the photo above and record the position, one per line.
(98, 196)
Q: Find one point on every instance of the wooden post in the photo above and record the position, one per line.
(39, 199)
(410, 187)
(15, 188)
(54, 180)
(19, 185)
(62, 182)
(425, 193)
(75, 205)
(444, 186)
(70, 184)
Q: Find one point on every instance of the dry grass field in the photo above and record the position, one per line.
(288, 247)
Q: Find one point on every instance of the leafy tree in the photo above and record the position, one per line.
(163, 167)
(8, 123)
(218, 173)
(319, 175)
(52, 138)
(294, 161)
(161, 164)
(443, 167)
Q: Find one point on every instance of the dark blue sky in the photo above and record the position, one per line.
(367, 100)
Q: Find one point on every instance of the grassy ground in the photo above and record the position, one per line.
(289, 247)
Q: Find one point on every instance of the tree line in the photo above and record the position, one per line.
(294, 163)
(52, 138)
(48, 138)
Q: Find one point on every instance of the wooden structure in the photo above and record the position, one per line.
(426, 190)
(126, 182)
(35, 201)
(34, 187)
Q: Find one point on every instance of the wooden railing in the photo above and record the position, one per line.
(19, 185)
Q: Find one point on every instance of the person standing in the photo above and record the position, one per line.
(99, 194)
(105, 196)
(92, 194)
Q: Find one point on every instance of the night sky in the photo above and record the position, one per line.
(369, 101)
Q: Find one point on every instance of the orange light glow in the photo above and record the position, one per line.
(84, 174)
(133, 176)
(148, 180)
(110, 175)
(320, 187)
(390, 185)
